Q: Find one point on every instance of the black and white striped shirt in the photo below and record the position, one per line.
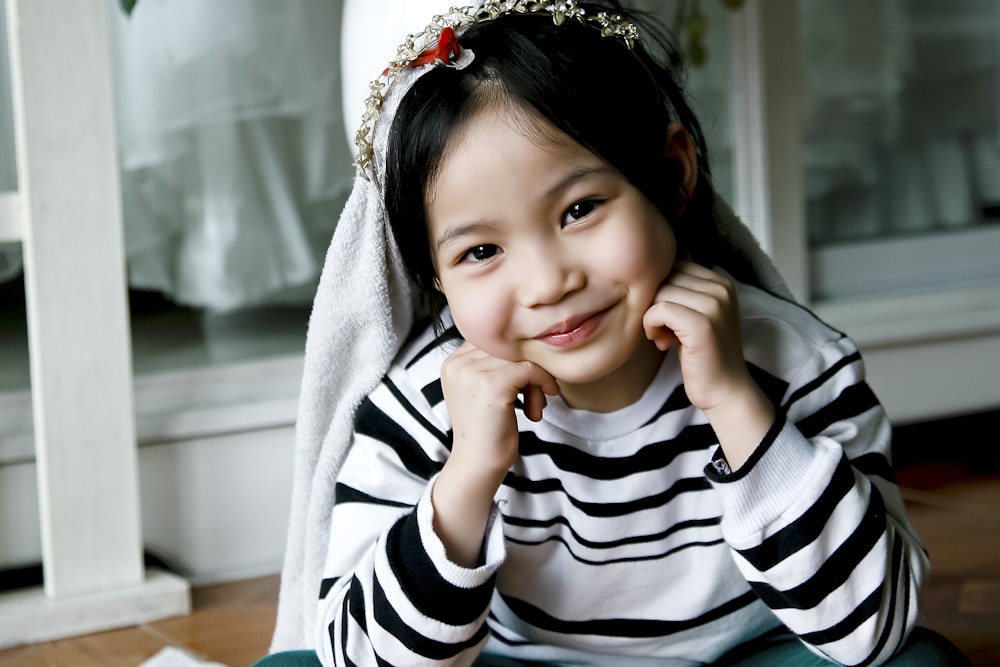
(623, 538)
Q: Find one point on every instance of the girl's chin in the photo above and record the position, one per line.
(583, 372)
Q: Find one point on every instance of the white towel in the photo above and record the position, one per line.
(363, 310)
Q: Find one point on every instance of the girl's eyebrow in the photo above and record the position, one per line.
(578, 175)
(458, 231)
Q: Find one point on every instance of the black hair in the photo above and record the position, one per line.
(615, 101)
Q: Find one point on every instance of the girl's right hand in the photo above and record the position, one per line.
(480, 391)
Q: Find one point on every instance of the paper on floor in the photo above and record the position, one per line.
(172, 656)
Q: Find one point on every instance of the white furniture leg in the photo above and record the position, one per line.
(69, 206)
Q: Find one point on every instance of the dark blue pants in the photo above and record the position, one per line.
(925, 648)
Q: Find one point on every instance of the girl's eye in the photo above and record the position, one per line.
(480, 253)
(579, 210)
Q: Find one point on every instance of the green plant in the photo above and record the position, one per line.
(690, 27)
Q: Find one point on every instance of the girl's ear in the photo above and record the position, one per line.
(680, 147)
(437, 284)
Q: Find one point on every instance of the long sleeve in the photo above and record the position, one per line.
(816, 521)
(390, 595)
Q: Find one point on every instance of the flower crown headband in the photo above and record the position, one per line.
(438, 44)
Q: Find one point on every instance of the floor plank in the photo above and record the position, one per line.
(230, 623)
(116, 648)
(956, 514)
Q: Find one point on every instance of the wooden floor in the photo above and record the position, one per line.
(956, 512)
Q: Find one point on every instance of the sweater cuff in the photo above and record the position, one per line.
(780, 479)
(493, 554)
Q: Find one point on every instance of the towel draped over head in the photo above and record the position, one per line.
(363, 311)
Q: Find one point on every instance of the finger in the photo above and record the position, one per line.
(534, 402)
(539, 377)
(655, 326)
(467, 353)
(695, 286)
(662, 337)
(667, 323)
(691, 268)
(700, 280)
(712, 296)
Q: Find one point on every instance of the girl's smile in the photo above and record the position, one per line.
(546, 254)
(573, 331)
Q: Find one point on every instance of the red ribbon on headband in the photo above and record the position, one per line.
(447, 51)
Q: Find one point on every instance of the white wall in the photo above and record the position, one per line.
(219, 506)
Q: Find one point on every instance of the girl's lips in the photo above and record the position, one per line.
(573, 332)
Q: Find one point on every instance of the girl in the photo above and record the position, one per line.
(616, 440)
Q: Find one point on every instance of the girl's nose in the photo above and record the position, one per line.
(545, 278)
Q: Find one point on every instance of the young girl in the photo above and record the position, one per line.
(616, 440)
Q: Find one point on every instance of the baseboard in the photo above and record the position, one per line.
(27, 616)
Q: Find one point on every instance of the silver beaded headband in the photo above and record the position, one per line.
(437, 44)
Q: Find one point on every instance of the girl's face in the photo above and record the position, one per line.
(546, 254)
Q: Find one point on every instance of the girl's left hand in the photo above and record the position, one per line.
(697, 310)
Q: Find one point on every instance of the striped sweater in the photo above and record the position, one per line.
(623, 538)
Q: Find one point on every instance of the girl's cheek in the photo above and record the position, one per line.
(484, 325)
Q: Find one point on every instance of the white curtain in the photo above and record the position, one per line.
(234, 162)
(232, 147)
